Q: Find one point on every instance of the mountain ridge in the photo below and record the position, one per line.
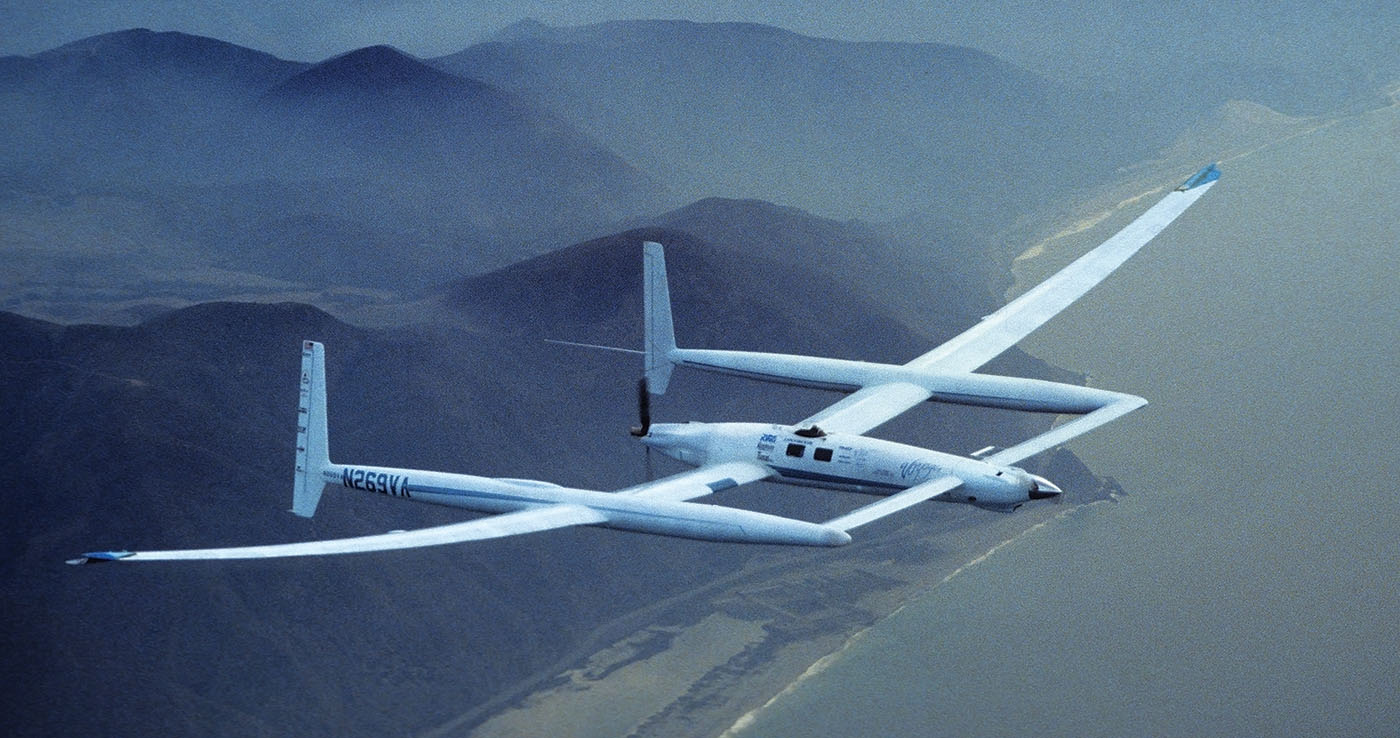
(869, 129)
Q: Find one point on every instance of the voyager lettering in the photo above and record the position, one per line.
(917, 471)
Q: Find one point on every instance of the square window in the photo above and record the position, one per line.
(795, 450)
(822, 454)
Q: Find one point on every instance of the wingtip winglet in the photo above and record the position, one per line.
(94, 556)
(1207, 174)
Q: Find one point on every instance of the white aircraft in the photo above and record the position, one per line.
(826, 449)
(525, 506)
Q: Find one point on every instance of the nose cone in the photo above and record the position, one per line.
(1043, 489)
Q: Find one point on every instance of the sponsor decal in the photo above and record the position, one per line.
(917, 471)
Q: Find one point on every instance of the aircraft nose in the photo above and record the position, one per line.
(1043, 489)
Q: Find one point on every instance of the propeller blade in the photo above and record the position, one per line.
(643, 408)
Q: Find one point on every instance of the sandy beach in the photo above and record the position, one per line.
(757, 632)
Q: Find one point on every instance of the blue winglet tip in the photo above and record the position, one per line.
(101, 556)
(1208, 173)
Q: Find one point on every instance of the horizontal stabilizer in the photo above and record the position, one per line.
(596, 346)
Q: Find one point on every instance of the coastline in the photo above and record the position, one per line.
(701, 665)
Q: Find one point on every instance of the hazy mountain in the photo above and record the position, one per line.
(377, 72)
(466, 147)
(928, 276)
(131, 105)
(233, 171)
(1302, 58)
(937, 280)
(838, 128)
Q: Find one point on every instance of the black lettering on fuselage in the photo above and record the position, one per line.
(384, 483)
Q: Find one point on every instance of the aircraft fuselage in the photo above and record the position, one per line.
(847, 462)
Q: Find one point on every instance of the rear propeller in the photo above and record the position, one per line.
(644, 418)
(643, 409)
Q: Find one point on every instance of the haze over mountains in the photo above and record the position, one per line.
(368, 169)
(509, 187)
(148, 169)
(843, 129)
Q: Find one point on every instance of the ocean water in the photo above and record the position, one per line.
(1250, 583)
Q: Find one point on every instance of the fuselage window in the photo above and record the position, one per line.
(822, 454)
(795, 450)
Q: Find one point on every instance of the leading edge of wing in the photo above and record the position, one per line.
(1004, 328)
(700, 481)
(864, 409)
(496, 526)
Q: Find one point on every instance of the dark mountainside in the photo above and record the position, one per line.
(940, 285)
(943, 272)
(177, 433)
(874, 130)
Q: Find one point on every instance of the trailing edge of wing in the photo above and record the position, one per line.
(894, 503)
(700, 481)
(1004, 328)
(496, 526)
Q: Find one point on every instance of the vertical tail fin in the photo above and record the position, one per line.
(313, 452)
(660, 335)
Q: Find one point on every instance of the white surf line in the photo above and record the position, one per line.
(1082, 225)
(1092, 220)
(821, 664)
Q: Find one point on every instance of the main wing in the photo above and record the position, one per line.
(1004, 328)
(872, 405)
(680, 487)
(496, 526)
